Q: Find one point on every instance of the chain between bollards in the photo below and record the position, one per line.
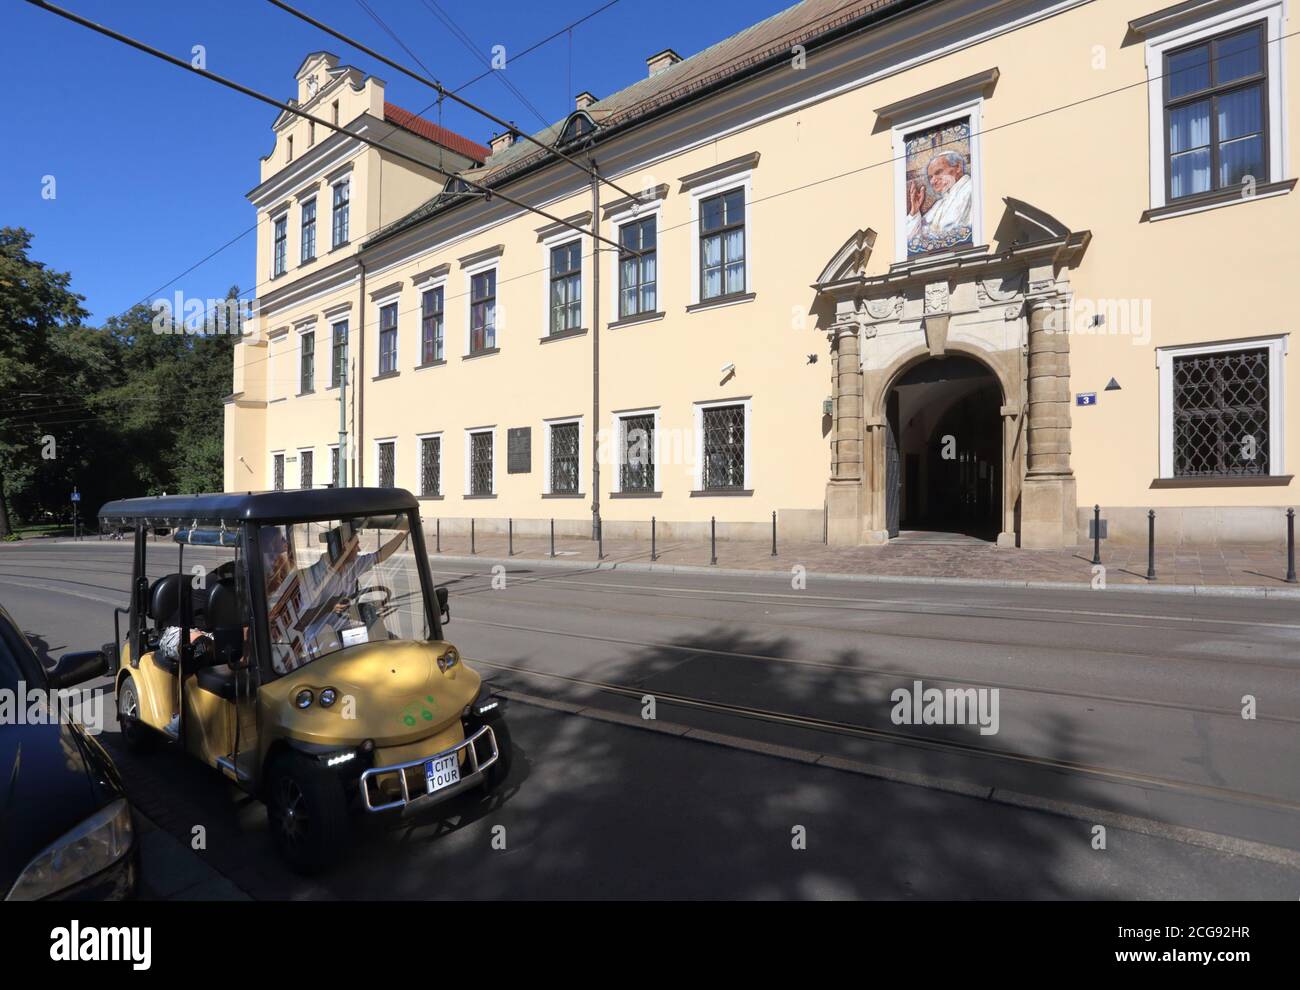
(1151, 544)
(1290, 546)
(653, 552)
(1096, 534)
(713, 539)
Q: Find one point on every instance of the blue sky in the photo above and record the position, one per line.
(151, 163)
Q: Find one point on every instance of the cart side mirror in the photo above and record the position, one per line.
(443, 608)
(76, 668)
(229, 642)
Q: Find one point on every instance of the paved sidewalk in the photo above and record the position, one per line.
(1249, 569)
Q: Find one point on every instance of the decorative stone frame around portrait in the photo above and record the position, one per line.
(953, 113)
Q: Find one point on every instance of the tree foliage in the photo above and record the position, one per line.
(114, 411)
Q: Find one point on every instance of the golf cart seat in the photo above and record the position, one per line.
(222, 610)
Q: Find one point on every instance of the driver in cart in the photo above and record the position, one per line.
(313, 609)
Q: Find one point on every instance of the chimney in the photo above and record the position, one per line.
(665, 59)
(502, 141)
(584, 100)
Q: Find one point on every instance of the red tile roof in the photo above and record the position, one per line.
(430, 131)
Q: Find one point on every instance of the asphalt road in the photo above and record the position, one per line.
(773, 713)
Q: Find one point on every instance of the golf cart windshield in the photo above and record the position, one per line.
(334, 584)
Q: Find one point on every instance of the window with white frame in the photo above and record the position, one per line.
(309, 230)
(386, 463)
(722, 245)
(388, 338)
(564, 444)
(306, 464)
(431, 325)
(1216, 104)
(307, 362)
(479, 456)
(280, 247)
(566, 287)
(636, 451)
(338, 352)
(637, 267)
(1221, 409)
(724, 441)
(334, 465)
(341, 204)
(431, 465)
(483, 311)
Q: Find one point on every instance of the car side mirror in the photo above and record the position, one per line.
(76, 668)
(443, 608)
(229, 643)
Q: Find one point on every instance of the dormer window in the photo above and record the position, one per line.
(578, 126)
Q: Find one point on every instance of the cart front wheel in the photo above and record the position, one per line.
(307, 813)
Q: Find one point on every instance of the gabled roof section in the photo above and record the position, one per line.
(436, 133)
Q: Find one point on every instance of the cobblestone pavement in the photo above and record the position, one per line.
(920, 556)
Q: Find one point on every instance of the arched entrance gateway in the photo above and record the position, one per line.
(950, 389)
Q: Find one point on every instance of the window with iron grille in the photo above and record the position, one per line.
(334, 467)
(724, 447)
(387, 452)
(566, 287)
(388, 338)
(307, 378)
(277, 472)
(281, 245)
(564, 458)
(636, 469)
(306, 461)
(722, 245)
(341, 198)
(308, 231)
(431, 466)
(1221, 414)
(483, 311)
(637, 273)
(339, 353)
(1216, 113)
(480, 463)
(431, 326)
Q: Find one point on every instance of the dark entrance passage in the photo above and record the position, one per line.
(943, 451)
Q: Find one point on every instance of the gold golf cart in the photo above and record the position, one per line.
(293, 640)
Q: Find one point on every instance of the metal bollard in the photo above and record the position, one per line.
(471, 536)
(713, 539)
(653, 554)
(438, 530)
(600, 539)
(510, 530)
(773, 532)
(1290, 546)
(552, 537)
(1096, 534)
(1151, 544)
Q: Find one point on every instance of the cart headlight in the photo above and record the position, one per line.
(304, 698)
(93, 846)
(448, 659)
(327, 697)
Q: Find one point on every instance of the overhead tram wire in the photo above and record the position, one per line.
(442, 91)
(287, 108)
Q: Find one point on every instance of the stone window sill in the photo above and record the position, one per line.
(723, 493)
(1216, 199)
(631, 321)
(1226, 481)
(564, 335)
(721, 301)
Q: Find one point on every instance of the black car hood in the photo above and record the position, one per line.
(51, 779)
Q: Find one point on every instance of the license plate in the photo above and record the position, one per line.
(442, 772)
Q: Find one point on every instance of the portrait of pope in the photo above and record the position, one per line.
(940, 192)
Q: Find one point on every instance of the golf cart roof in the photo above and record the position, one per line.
(262, 507)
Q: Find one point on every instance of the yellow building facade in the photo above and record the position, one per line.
(962, 266)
